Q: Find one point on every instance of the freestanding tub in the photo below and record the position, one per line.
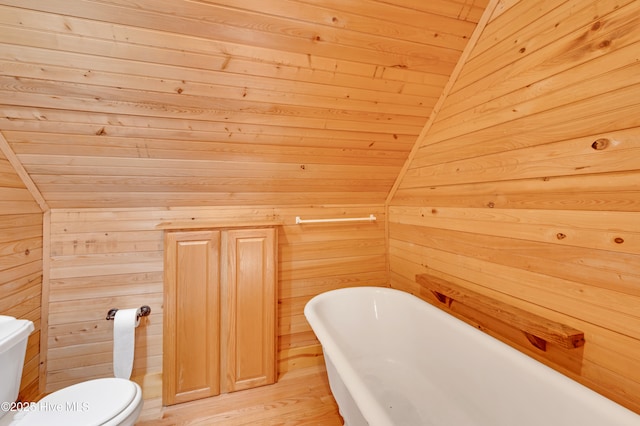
(393, 359)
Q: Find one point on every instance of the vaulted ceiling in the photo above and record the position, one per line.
(130, 103)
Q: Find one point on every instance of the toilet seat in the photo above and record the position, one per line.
(96, 402)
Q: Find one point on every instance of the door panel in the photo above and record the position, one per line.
(192, 310)
(249, 308)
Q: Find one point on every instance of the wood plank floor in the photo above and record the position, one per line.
(300, 397)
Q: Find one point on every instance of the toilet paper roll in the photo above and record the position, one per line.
(124, 334)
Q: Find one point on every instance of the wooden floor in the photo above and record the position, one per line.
(300, 397)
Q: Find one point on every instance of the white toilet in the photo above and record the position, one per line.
(107, 402)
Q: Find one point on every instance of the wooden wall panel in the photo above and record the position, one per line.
(105, 258)
(526, 186)
(21, 265)
(109, 103)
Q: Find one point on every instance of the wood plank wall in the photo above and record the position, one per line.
(113, 103)
(527, 185)
(105, 258)
(21, 265)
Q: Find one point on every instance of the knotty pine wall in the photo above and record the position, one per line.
(113, 103)
(120, 105)
(526, 185)
(105, 258)
(21, 265)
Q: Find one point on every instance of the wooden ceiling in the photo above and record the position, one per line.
(132, 103)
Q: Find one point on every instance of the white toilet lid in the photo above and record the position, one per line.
(89, 403)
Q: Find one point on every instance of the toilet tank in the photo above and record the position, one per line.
(13, 346)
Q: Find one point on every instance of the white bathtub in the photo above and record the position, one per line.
(393, 359)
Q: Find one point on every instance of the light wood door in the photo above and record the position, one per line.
(191, 358)
(249, 308)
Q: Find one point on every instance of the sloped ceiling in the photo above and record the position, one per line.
(130, 103)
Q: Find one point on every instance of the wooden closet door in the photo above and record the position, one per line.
(249, 308)
(191, 349)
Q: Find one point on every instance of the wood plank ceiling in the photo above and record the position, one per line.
(130, 103)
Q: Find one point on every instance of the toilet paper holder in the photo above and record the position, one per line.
(143, 311)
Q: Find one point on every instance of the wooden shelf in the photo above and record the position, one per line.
(539, 330)
(210, 224)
